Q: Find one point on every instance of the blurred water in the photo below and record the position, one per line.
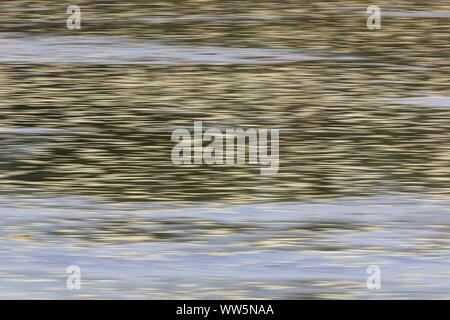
(86, 176)
(102, 50)
(314, 250)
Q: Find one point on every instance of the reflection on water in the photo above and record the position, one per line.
(313, 250)
(104, 130)
(102, 50)
(87, 116)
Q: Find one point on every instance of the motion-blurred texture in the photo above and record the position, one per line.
(86, 176)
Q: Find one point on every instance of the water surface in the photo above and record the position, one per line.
(86, 177)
